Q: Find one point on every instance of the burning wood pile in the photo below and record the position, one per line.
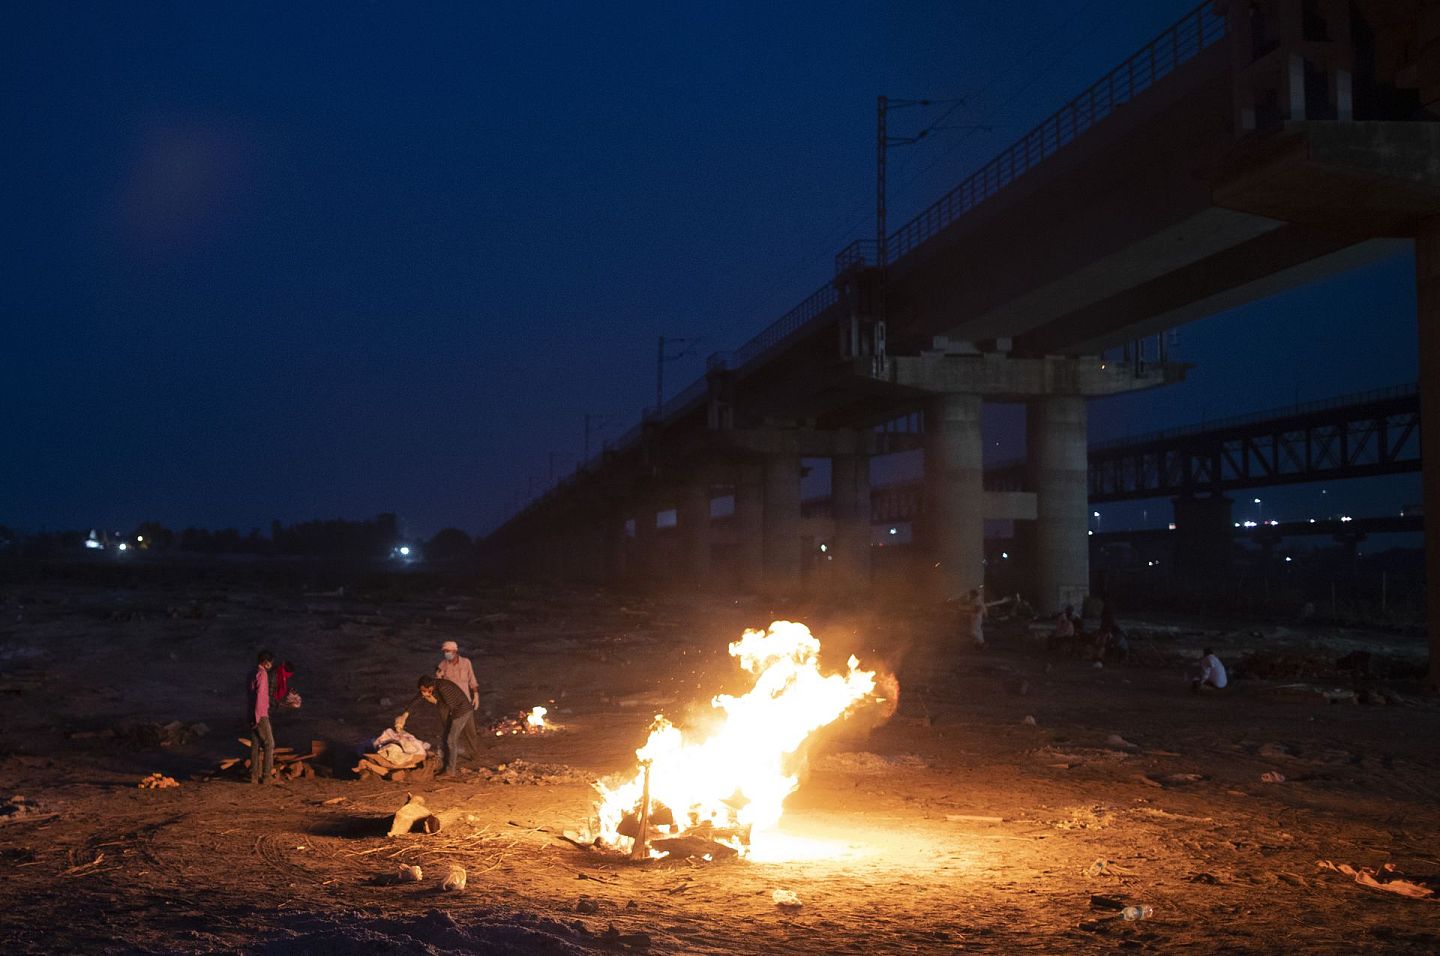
(719, 795)
(288, 764)
(529, 723)
(158, 781)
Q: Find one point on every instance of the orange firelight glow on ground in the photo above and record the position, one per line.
(738, 776)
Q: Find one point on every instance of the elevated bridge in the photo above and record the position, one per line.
(1252, 146)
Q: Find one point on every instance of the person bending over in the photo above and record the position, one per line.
(456, 715)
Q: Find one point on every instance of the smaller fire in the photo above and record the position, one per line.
(525, 722)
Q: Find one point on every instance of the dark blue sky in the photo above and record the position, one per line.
(307, 260)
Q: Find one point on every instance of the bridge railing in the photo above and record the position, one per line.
(787, 325)
(1185, 40)
(1200, 29)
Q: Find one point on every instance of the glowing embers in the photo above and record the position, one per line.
(700, 795)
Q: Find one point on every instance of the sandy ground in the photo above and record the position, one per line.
(910, 857)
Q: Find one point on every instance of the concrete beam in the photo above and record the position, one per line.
(1003, 377)
(804, 442)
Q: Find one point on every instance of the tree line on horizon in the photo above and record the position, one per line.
(334, 537)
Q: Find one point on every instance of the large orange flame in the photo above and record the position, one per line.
(739, 775)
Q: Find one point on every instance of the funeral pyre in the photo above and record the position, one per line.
(725, 789)
(531, 722)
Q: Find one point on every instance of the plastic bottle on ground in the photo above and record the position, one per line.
(1138, 912)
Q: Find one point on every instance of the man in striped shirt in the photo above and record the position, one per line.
(456, 715)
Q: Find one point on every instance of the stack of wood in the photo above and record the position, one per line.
(414, 767)
(288, 764)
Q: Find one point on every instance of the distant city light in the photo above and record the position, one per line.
(405, 550)
(1091, 533)
(1095, 514)
(1287, 559)
(124, 546)
(1249, 524)
(1005, 555)
(1344, 518)
(1171, 526)
(139, 537)
(894, 531)
(1257, 501)
(824, 547)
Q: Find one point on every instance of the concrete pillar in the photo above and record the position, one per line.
(953, 537)
(750, 526)
(643, 571)
(692, 516)
(782, 556)
(850, 506)
(1427, 309)
(615, 547)
(1055, 437)
(1204, 536)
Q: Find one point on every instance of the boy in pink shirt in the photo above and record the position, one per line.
(257, 715)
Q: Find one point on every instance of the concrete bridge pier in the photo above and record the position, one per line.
(645, 544)
(850, 507)
(614, 549)
(1427, 307)
(749, 525)
(954, 494)
(1055, 429)
(782, 525)
(692, 517)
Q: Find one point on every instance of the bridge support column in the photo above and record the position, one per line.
(1055, 436)
(850, 505)
(692, 515)
(955, 494)
(1427, 307)
(609, 555)
(750, 526)
(782, 521)
(1204, 536)
(643, 568)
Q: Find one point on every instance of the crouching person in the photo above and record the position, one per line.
(456, 715)
(1211, 675)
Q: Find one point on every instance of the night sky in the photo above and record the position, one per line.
(313, 260)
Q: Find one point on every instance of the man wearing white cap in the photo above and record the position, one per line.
(458, 671)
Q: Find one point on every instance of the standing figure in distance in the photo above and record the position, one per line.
(257, 715)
